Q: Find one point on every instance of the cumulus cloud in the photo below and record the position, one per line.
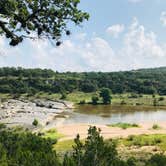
(115, 30)
(139, 49)
(144, 42)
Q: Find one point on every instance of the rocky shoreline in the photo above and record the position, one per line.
(23, 112)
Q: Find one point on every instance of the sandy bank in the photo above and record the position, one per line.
(70, 131)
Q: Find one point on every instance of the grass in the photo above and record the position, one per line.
(124, 125)
(133, 140)
(76, 97)
(130, 99)
(64, 146)
(4, 97)
(146, 140)
(52, 134)
(117, 99)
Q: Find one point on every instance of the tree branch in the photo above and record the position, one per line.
(6, 30)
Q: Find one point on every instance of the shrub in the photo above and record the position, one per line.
(123, 102)
(63, 96)
(124, 125)
(155, 102)
(35, 122)
(95, 99)
(26, 149)
(156, 127)
(161, 98)
(130, 138)
(133, 95)
(82, 102)
(157, 160)
(105, 94)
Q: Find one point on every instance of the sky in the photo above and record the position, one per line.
(120, 35)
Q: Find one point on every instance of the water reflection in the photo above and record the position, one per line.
(114, 114)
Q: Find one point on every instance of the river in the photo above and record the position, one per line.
(114, 114)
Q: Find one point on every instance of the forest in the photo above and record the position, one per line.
(30, 81)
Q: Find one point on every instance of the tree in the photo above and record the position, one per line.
(24, 148)
(105, 93)
(88, 87)
(3, 156)
(94, 152)
(21, 19)
(63, 96)
(95, 99)
(157, 160)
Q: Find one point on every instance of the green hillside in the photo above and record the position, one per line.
(143, 81)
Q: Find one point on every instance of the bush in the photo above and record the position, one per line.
(95, 99)
(82, 102)
(133, 95)
(105, 94)
(26, 149)
(155, 102)
(35, 122)
(123, 102)
(124, 125)
(157, 160)
(63, 96)
(161, 98)
(156, 127)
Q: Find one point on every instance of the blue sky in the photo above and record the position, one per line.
(120, 35)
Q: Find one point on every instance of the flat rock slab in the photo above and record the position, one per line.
(16, 112)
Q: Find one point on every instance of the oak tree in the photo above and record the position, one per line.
(33, 19)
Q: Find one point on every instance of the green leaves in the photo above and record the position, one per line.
(45, 18)
(94, 152)
(106, 95)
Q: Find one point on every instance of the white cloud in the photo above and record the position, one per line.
(139, 49)
(115, 30)
(94, 54)
(163, 18)
(144, 42)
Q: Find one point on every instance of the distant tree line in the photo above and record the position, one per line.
(19, 80)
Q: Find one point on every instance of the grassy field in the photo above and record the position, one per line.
(64, 146)
(52, 134)
(158, 140)
(124, 125)
(117, 99)
(142, 147)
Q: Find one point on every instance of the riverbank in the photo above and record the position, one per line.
(117, 99)
(128, 99)
(51, 113)
(143, 141)
(23, 112)
(69, 132)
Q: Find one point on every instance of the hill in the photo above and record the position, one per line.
(143, 81)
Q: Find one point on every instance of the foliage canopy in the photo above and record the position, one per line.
(21, 19)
